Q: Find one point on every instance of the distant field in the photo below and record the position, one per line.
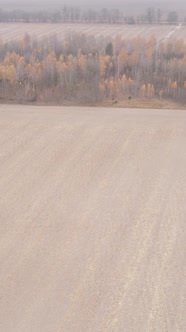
(10, 31)
(92, 219)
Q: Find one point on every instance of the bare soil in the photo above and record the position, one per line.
(92, 219)
(153, 103)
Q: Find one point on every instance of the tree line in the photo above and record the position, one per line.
(105, 15)
(84, 69)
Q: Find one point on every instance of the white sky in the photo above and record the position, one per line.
(96, 3)
(92, 2)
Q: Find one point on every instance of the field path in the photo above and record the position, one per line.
(169, 35)
(92, 220)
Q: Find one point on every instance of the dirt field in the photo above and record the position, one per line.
(92, 209)
(10, 31)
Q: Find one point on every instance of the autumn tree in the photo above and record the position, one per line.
(84, 69)
(109, 49)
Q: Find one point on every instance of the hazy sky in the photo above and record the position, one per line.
(96, 3)
(92, 3)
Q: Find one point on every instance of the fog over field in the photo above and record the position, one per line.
(96, 3)
(128, 7)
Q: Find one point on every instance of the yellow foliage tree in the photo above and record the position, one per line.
(143, 90)
(174, 85)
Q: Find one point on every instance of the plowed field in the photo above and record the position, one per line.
(92, 219)
(10, 31)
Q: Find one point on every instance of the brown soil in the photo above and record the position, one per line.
(92, 210)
